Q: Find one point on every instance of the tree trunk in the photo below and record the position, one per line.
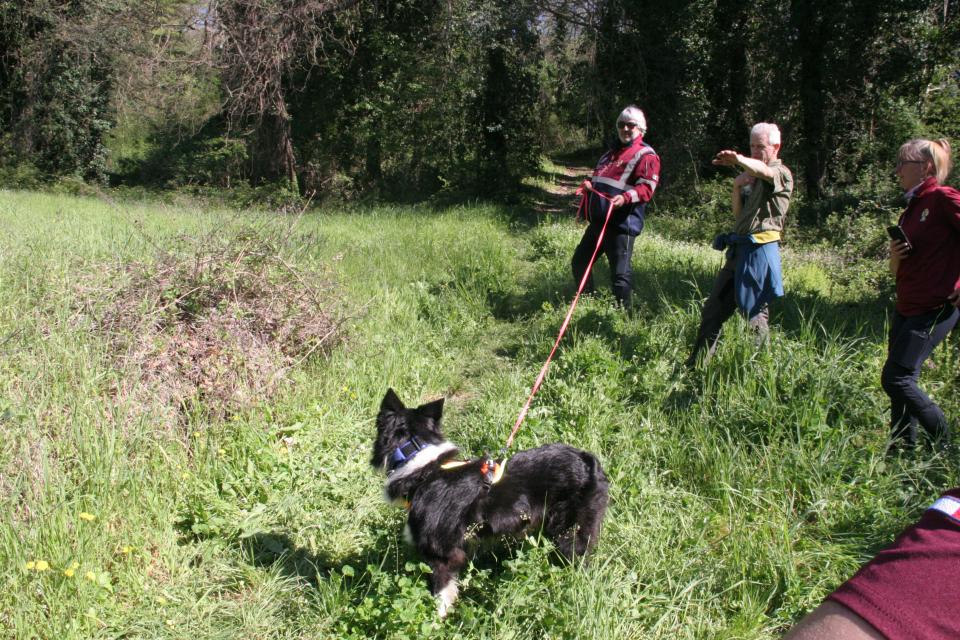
(811, 37)
(726, 83)
(271, 154)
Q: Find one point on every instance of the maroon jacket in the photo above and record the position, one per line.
(911, 589)
(932, 271)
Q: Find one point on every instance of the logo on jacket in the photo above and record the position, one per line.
(924, 214)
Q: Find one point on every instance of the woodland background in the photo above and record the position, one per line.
(401, 100)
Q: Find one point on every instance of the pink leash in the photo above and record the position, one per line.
(566, 321)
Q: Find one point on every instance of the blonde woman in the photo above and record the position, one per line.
(927, 271)
(910, 589)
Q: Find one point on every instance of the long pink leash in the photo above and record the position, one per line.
(566, 321)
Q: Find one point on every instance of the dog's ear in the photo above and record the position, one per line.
(432, 410)
(391, 402)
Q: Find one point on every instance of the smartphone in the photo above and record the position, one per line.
(896, 233)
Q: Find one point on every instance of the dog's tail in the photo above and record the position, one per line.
(595, 495)
(596, 478)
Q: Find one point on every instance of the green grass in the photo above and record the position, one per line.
(742, 493)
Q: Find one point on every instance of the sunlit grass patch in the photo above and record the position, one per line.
(741, 492)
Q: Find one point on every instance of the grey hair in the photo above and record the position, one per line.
(633, 114)
(936, 152)
(768, 129)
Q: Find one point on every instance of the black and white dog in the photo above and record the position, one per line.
(555, 487)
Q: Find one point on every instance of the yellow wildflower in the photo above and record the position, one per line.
(196, 434)
(74, 565)
(30, 566)
(68, 572)
(42, 565)
(126, 549)
(89, 517)
(91, 576)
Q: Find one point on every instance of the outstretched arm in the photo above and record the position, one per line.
(756, 168)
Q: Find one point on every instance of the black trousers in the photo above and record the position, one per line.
(912, 340)
(718, 308)
(618, 247)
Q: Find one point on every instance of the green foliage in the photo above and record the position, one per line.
(404, 100)
(941, 107)
(217, 162)
(56, 100)
(508, 112)
(18, 174)
(211, 158)
(397, 605)
(696, 214)
(436, 97)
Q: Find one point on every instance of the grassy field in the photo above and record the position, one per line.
(741, 493)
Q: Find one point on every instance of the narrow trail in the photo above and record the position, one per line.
(555, 190)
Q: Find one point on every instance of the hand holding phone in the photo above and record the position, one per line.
(896, 233)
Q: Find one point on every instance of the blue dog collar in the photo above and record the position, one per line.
(404, 453)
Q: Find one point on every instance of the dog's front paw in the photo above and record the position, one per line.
(446, 598)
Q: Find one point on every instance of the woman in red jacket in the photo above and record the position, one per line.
(910, 589)
(626, 176)
(927, 271)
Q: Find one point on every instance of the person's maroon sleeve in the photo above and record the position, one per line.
(910, 589)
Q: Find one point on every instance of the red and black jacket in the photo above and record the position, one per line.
(632, 170)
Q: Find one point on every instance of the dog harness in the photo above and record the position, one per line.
(491, 470)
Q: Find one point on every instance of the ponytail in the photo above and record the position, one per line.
(940, 150)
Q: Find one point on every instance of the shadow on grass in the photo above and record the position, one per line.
(674, 294)
(659, 291)
(488, 557)
(556, 290)
(549, 194)
(277, 549)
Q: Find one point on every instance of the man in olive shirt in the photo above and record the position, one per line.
(751, 275)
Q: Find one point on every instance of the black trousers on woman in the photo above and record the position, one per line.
(912, 339)
(618, 248)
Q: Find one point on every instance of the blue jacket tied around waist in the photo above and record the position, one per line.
(758, 277)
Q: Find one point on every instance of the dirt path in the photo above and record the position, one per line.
(555, 193)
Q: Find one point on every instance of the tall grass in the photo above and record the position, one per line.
(741, 492)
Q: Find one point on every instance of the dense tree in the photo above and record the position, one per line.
(58, 74)
(261, 44)
(508, 109)
(403, 98)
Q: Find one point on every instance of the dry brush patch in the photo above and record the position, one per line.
(213, 325)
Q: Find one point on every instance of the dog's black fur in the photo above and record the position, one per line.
(556, 487)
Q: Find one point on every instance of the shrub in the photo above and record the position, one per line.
(214, 323)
